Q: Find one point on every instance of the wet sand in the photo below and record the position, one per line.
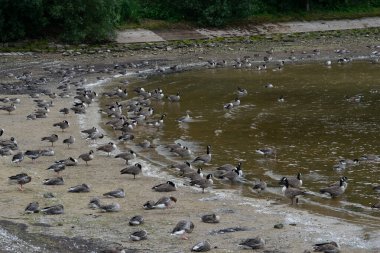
(256, 216)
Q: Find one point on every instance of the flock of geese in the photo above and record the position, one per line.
(125, 116)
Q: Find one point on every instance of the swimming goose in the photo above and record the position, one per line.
(79, 188)
(335, 190)
(203, 183)
(266, 152)
(62, 125)
(21, 179)
(162, 203)
(295, 182)
(52, 138)
(139, 235)
(241, 92)
(32, 207)
(54, 181)
(169, 186)
(327, 247)
(108, 148)
(183, 227)
(291, 192)
(118, 193)
(132, 169)
(201, 247)
(174, 98)
(52, 210)
(204, 158)
(253, 243)
(210, 218)
(87, 156)
(69, 141)
(18, 158)
(57, 167)
(129, 155)
(184, 119)
(136, 220)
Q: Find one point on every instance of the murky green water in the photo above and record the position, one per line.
(312, 130)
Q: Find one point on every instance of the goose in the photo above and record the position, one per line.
(157, 123)
(69, 161)
(210, 218)
(52, 138)
(32, 207)
(290, 192)
(118, 193)
(259, 185)
(8, 108)
(57, 167)
(69, 141)
(132, 169)
(241, 92)
(113, 207)
(204, 158)
(33, 154)
(62, 125)
(335, 190)
(87, 156)
(376, 188)
(169, 186)
(281, 99)
(194, 175)
(162, 203)
(328, 247)
(376, 205)
(129, 155)
(145, 144)
(126, 137)
(18, 158)
(203, 183)
(54, 181)
(253, 243)
(229, 167)
(108, 148)
(183, 227)
(202, 246)
(182, 167)
(174, 98)
(295, 182)
(90, 130)
(266, 152)
(232, 175)
(136, 220)
(139, 235)
(47, 152)
(64, 111)
(52, 210)
(79, 188)
(21, 179)
(184, 119)
(345, 184)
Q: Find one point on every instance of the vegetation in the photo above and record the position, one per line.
(94, 21)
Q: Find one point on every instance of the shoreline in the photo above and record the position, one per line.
(78, 220)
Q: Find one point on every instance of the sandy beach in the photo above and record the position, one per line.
(101, 231)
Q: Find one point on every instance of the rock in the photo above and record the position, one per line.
(279, 226)
(49, 195)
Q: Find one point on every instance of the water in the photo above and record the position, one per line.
(312, 130)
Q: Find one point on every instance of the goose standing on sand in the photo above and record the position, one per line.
(8, 108)
(53, 210)
(108, 148)
(169, 186)
(335, 190)
(62, 125)
(203, 183)
(52, 138)
(291, 192)
(206, 158)
(132, 169)
(87, 156)
(118, 193)
(21, 179)
(129, 155)
(182, 228)
(295, 182)
(69, 141)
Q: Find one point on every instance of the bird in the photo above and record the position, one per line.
(118, 193)
(52, 138)
(241, 92)
(87, 156)
(32, 207)
(129, 155)
(376, 205)
(136, 220)
(62, 125)
(206, 158)
(69, 141)
(335, 190)
(327, 247)
(210, 218)
(259, 185)
(162, 203)
(291, 192)
(108, 148)
(253, 243)
(9, 108)
(203, 183)
(18, 158)
(165, 187)
(21, 179)
(193, 175)
(33, 154)
(174, 98)
(132, 169)
(54, 181)
(79, 188)
(182, 228)
(69, 161)
(52, 210)
(90, 130)
(113, 207)
(64, 111)
(295, 182)
(202, 246)
(57, 167)
(266, 152)
(139, 235)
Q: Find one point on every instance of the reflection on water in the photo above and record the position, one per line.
(321, 121)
